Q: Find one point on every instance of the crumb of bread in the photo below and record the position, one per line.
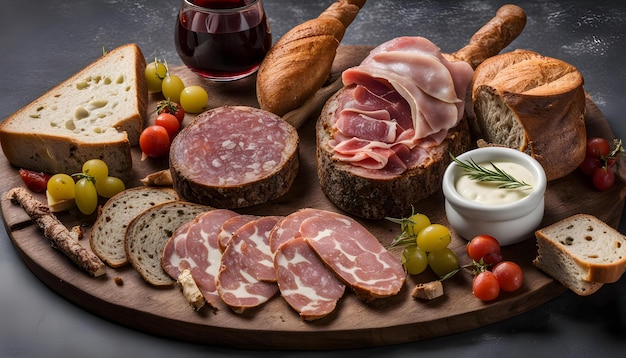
(428, 290)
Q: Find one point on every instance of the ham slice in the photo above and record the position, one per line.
(194, 246)
(230, 226)
(247, 277)
(305, 281)
(404, 71)
(354, 255)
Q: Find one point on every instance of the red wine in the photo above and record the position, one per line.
(221, 46)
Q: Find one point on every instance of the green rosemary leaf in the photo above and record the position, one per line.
(480, 173)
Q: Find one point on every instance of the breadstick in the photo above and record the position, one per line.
(59, 235)
(494, 36)
(300, 61)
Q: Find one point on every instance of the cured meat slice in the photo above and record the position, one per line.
(305, 282)
(289, 227)
(230, 226)
(234, 157)
(354, 254)
(247, 277)
(195, 248)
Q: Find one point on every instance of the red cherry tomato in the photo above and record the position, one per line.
(509, 275)
(171, 108)
(35, 181)
(154, 141)
(603, 178)
(598, 147)
(484, 247)
(169, 122)
(590, 164)
(485, 286)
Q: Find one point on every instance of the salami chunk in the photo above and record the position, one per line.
(305, 282)
(354, 254)
(234, 157)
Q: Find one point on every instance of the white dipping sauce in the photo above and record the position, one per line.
(489, 193)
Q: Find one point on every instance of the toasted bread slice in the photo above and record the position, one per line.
(96, 113)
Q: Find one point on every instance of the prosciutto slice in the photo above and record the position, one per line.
(305, 281)
(406, 72)
(354, 255)
(247, 277)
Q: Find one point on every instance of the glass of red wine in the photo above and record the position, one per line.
(222, 40)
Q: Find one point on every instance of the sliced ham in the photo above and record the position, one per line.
(354, 255)
(406, 72)
(195, 248)
(247, 277)
(289, 227)
(305, 282)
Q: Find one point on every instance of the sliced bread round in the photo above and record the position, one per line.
(148, 233)
(107, 234)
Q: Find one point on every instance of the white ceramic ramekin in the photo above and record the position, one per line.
(510, 223)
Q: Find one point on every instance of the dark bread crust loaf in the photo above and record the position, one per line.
(389, 197)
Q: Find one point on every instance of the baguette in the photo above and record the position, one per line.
(60, 237)
(96, 113)
(107, 234)
(582, 252)
(301, 60)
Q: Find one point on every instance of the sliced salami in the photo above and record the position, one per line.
(289, 227)
(233, 157)
(354, 254)
(305, 282)
(230, 226)
(195, 248)
(247, 277)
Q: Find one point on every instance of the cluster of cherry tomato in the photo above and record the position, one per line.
(425, 245)
(155, 140)
(491, 273)
(85, 187)
(600, 161)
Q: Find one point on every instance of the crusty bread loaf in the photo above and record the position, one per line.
(582, 252)
(96, 113)
(533, 103)
(107, 233)
(300, 61)
(390, 196)
(148, 233)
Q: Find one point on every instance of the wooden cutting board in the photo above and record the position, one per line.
(164, 312)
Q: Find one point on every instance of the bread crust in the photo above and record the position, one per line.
(385, 197)
(543, 97)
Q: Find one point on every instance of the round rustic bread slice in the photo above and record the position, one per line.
(386, 196)
(234, 157)
(107, 234)
(148, 233)
(535, 104)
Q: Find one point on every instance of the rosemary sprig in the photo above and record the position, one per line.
(483, 174)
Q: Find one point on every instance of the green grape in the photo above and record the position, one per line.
(171, 88)
(416, 223)
(86, 196)
(61, 187)
(194, 99)
(96, 168)
(443, 261)
(109, 186)
(155, 73)
(414, 260)
(433, 237)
